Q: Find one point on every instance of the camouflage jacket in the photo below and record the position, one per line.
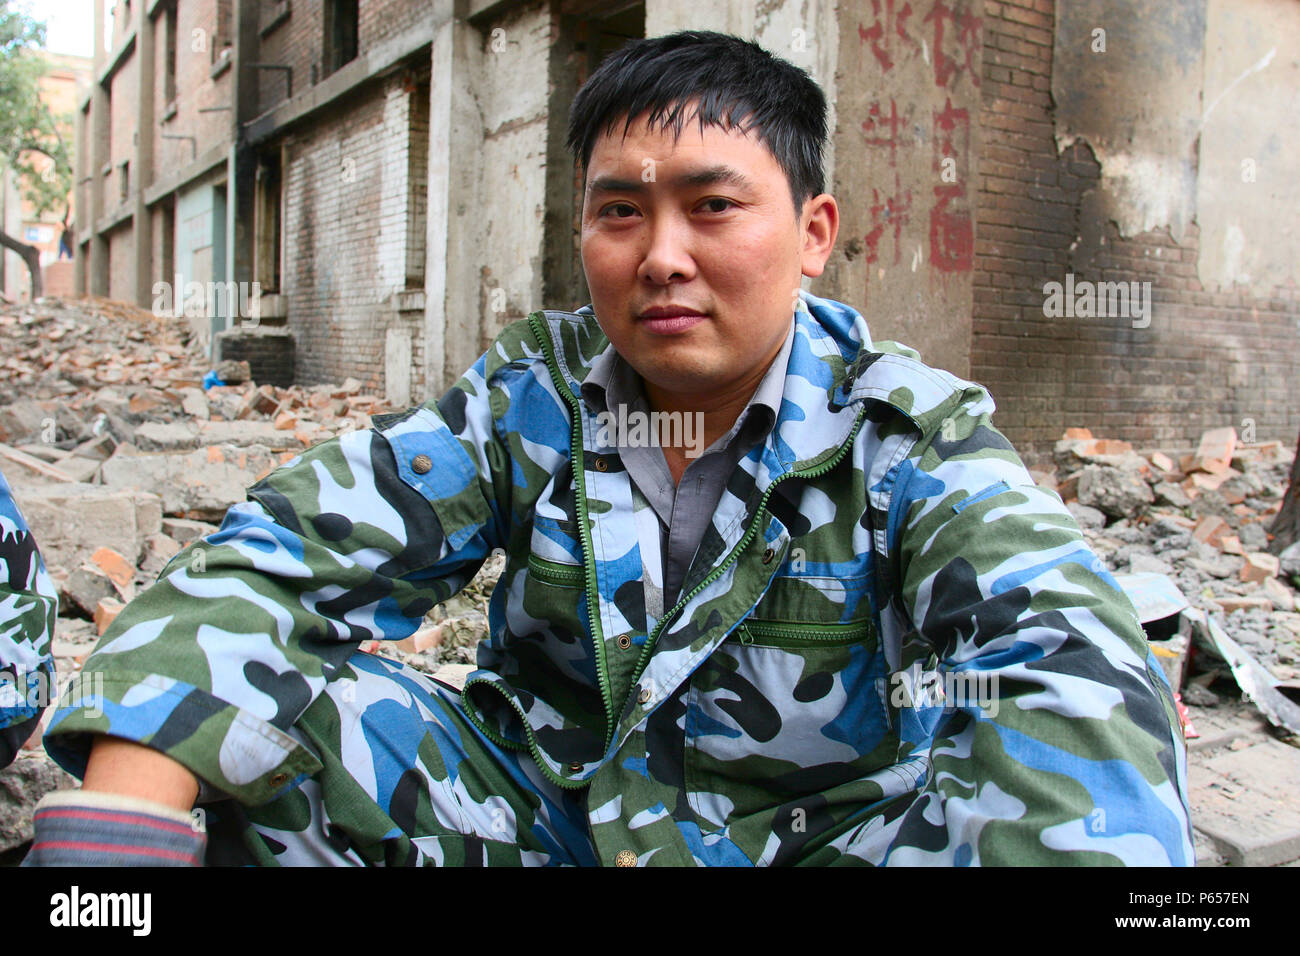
(892, 646)
(28, 605)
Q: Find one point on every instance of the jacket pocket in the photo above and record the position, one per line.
(784, 710)
(556, 574)
(795, 635)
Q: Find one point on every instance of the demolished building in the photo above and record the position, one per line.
(393, 175)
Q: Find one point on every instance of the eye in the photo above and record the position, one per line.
(605, 213)
(717, 199)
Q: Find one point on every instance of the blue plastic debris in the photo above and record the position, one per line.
(211, 379)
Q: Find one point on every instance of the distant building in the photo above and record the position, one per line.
(60, 88)
(392, 174)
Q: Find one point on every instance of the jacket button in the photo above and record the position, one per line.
(624, 641)
(645, 695)
(421, 463)
(625, 858)
(601, 463)
(768, 555)
(575, 767)
(278, 779)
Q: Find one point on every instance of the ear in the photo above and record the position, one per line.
(819, 224)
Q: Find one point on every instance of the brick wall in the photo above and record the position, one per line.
(196, 88)
(268, 352)
(293, 42)
(123, 120)
(382, 20)
(298, 41)
(346, 184)
(58, 277)
(1208, 358)
(418, 187)
(121, 264)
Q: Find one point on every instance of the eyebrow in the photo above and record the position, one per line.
(709, 176)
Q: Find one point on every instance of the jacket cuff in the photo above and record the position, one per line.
(229, 749)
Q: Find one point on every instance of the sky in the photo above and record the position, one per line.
(69, 23)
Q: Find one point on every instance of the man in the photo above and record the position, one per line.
(741, 657)
(28, 605)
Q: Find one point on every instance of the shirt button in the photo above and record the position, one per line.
(768, 555)
(624, 641)
(625, 858)
(421, 464)
(601, 463)
(645, 695)
(575, 767)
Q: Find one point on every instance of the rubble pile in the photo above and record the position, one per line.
(120, 454)
(1201, 518)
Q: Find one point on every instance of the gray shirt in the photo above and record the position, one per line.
(684, 510)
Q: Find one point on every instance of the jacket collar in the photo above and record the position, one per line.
(819, 399)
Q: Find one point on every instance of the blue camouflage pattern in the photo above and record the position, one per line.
(892, 646)
(28, 606)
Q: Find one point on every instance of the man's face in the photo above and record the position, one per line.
(693, 256)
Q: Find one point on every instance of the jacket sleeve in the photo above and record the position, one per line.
(1055, 737)
(355, 539)
(28, 605)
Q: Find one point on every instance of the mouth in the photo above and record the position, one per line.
(670, 319)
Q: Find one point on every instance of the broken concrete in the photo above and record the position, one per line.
(1247, 802)
(200, 484)
(1118, 492)
(22, 784)
(71, 522)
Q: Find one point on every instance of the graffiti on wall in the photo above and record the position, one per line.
(939, 40)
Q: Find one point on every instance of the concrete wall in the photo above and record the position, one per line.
(121, 264)
(488, 218)
(1247, 189)
(123, 123)
(906, 139)
(14, 280)
(1130, 86)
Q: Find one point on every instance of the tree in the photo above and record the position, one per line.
(28, 130)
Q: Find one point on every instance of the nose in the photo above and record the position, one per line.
(668, 257)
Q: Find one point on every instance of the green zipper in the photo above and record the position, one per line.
(584, 530)
(794, 635)
(579, 475)
(562, 575)
(744, 542)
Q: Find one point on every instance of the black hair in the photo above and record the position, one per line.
(733, 80)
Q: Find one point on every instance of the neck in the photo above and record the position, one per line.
(717, 411)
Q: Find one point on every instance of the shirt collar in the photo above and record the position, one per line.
(611, 381)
